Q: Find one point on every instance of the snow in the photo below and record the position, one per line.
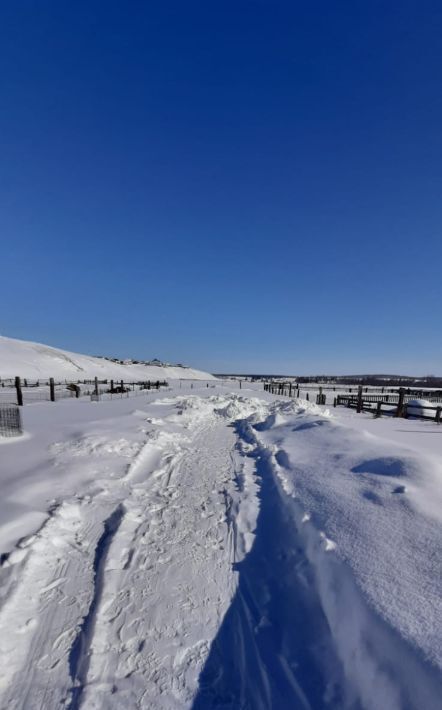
(219, 548)
(36, 361)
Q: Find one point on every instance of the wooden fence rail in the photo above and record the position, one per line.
(398, 404)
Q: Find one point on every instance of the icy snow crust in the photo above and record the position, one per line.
(35, 361)
(217, 550)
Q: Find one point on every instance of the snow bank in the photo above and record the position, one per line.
(35, 361)
(421, 407)
(369, 515)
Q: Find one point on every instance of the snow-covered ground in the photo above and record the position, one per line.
(36, 361)
(218, 548)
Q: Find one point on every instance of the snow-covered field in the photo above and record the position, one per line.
(215, 548)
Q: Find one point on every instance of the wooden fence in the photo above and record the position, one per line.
(397, 403)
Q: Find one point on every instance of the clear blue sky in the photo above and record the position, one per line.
(247, 186)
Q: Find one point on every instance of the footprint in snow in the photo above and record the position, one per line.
(399, 489)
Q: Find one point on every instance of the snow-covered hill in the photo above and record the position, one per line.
(34, 360)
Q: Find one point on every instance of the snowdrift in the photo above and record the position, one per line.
(34, 360)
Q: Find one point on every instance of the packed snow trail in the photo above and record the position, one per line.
(174, 551)
(90, 602)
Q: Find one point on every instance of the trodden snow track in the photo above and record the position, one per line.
(115, 600)
(184, 583)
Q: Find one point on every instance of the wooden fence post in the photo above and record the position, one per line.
(360, 402)
(52, 389)
(96, 386)
(400, 404)
(19, 392)
(438, 412)
(378, 410)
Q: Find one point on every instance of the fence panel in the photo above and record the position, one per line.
(10, 420)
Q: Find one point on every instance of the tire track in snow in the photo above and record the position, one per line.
(41, 618)
(52, 585)
(79, 653)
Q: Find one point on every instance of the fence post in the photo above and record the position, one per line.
(360, 402)
(334, 400)
(400, 404)
(96, 385)
(52, 389)
(378, 410)
(290, 389)
(19, 392)
(438, 412)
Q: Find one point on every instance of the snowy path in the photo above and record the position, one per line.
(173, 532)
(193, 568)
(117, 598)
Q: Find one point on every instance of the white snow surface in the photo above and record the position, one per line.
(219, 549)
(34, 360)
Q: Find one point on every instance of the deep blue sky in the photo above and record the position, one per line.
(249, 186)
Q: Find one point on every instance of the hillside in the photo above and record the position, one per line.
(34, 361)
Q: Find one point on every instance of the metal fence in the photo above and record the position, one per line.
(21, 392)
(10, 420)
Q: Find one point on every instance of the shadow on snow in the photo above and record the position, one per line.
(273, 648)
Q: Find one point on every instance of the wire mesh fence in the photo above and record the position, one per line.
(30, 392)
(10, 420)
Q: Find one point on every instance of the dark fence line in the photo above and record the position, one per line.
(399, 404)
(50, 391)
(401, 408)
(274, 386)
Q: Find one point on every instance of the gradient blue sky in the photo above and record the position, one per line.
(243, 186)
